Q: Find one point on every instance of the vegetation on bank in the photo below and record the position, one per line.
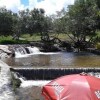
(98, 46)
(26, 38)
(80, 23)
(15, 82)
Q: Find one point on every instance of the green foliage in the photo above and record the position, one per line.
(83, 18)
(15, 82)
(27, 38)
(32, 21)
(34, 37)
(8, 40)
(98, 46)
(14, 42)
(6, 22)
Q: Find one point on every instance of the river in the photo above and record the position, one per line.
(57, 60)
(29, 90)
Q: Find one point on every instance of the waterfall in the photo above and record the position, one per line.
(6, 92)
(33, 49)
(23, 51)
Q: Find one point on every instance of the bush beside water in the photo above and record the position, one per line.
(98, 46)
(15, 82)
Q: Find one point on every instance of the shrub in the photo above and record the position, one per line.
(98, 46)
(15, 82)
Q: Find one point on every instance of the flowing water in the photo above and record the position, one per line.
(6, 92)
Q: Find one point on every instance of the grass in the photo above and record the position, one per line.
(37, 37)
(63, 37)
(26, 38)
(9, 40)
(34, 37)
(98, 33)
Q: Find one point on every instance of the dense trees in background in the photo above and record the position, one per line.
(23, 22)
(6, 22)
(82, 20)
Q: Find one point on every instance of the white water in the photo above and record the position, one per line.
(39, 83)
(21, 52)
(33, 51)
(6, 92)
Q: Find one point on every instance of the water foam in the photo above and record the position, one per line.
(6, 92)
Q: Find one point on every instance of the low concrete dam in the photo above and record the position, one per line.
(51, 73)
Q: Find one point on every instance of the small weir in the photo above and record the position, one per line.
(51, 73)
(24, 49)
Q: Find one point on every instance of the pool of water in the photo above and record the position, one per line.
(55, 60)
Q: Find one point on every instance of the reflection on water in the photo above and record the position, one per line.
(61, 59)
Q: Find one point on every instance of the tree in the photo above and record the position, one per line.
(38, 20)
(16, 26)
(32, 21)
(24, 20)
(83, 19)
(6, 22)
